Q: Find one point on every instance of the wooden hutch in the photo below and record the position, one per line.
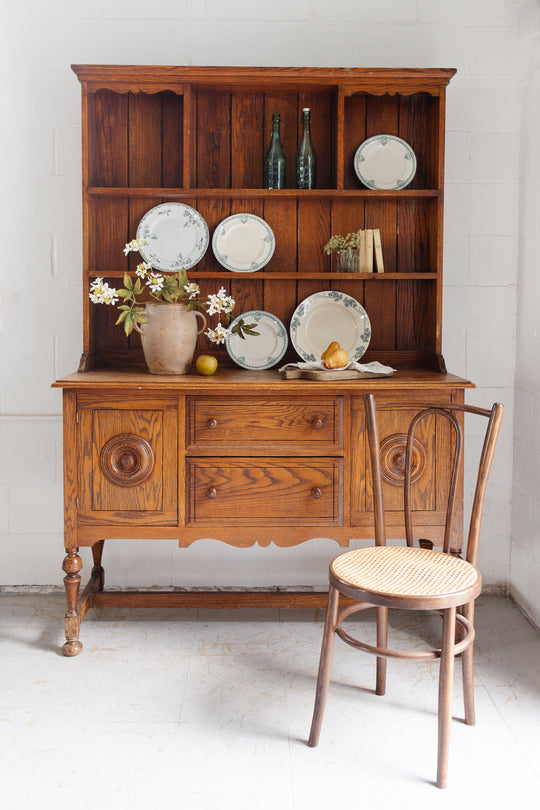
(245, 456)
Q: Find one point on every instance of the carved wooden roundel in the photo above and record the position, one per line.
(393, 459)
(127, 460)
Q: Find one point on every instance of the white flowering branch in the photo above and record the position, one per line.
(172, 289)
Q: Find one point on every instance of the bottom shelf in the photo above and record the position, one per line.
(211, 599)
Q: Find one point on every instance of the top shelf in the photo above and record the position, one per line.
(154, 132)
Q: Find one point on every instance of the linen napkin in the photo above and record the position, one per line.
(374, 367)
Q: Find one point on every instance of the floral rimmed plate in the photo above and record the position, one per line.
(328, 316)
(258, 351)
(385, 162)
(243, 243)
(177, 237)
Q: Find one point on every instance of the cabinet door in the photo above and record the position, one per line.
(128, 464)
(431, 467)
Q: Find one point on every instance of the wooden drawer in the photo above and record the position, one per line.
(249, 492)
(230, 423)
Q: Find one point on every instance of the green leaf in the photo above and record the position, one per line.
(182, 278)
(242, 329)
(122, 317)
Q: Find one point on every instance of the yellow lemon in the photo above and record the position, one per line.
(206, 364)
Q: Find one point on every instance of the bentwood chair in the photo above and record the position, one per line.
(414, 578)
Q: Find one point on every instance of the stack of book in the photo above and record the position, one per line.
(370, 251)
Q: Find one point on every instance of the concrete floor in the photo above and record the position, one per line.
(198, 710)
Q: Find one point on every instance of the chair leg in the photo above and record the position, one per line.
(382, 641)
(446, 681)
(325, 666)
(467, 659)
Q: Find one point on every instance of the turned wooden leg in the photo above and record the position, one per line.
(71, 566)
(446, 681)
(98, 572)
(382, 641)
(325, 666)
(467, 661)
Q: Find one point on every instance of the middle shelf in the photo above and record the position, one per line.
(121, 192)
(228, 276)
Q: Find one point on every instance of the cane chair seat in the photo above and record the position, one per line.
(394, 575)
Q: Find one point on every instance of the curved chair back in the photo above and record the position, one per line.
(447, 412)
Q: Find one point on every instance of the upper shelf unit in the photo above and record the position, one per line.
(212, 134)
(153, 134)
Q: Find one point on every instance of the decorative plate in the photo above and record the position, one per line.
(328, 316)
(385, 162)
(177, 237)
(258, 351)
(243, 243)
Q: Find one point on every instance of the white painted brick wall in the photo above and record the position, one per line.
(491, 260)
(364, 11)
(484, 106)
(488, 41)
(465, 13)
(524, 574)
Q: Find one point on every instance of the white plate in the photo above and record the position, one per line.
(258, 351)
(243, 243)
(328, 316)
(177, 237)
(385, 162)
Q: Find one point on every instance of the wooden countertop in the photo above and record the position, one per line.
(226, 380)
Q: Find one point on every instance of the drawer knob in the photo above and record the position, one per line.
(211, 492)
(211, 423)
(316, 493)
(317, 422)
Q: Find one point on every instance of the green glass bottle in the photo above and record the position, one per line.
(275, 164)
(306, 158)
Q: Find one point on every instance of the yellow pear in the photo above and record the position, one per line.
(331, 348)
(337, 359)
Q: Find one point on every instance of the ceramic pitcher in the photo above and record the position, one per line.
(169, 337)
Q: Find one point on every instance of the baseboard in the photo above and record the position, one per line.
(523, 612)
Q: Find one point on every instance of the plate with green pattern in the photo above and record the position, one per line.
(243, 243)
(326, 317)
(261, 350)
(176, 237)
(385, 162)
